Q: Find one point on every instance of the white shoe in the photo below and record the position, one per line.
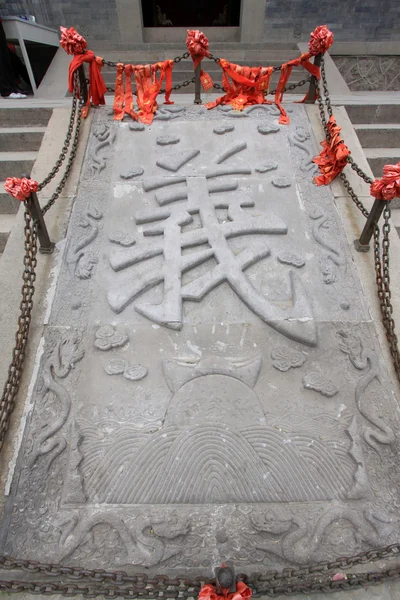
(16, 96)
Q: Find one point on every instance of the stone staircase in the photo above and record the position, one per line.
(242, 54)
(378, 129)
(21, 133)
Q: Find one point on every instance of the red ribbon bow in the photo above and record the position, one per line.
(72, 41)
(197, 44)
(75, 44)
(321, 39)
(333, 158)
(388, 187)
(209, 592)
(21, 189)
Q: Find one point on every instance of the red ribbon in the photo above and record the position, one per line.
(286, 71)
(321, 39)
(197, 44)
(333, 158)
(97, 87)
(209, 592)
(148, 86)
(246, 88)
(388, 187)
(20, 189)
(72, 41)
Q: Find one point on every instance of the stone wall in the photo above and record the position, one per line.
(95, 20)
(355, 20)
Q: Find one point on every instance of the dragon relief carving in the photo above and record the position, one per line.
(147, 542)
(106, 137)
(62, 360)
(298, 539)
(81, 262)
(377, 432)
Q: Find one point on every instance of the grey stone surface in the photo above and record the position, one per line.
(369, 73)
(200, 399)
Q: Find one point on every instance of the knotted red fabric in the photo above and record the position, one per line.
(75, 44)
(148, 86)
(246, 88)
(197, 44)
(388, 187)
(209, 592)
(321, 39)
(72, 41)
(286, 70)
(22, 188)
(97, 87)
(333, 158)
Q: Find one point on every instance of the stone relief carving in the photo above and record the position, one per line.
(267, 167)
(298, 139)
(106, 137)
(64, 357)
(195, 455)
(135, 126)
(122, 239)
(224, 128)
(298, 539)
(281, 182)
(81, 261)
(166, 113)
(106, 337)
(288, 258)
(284, 358)
(168, 140)
(267, 129)
(134, 172)
(230, 268)
(122, 367)
(317, 382)
(366, 361)
(364, 73)
(174, 162)
(147, 541)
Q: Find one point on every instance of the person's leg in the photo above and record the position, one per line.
(7, 79)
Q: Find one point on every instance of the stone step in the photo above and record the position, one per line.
(25, 117)
(379, 157)
(20, 138)
(373, 113)
(377, 135)
(6, 224)
(15, 164)
(8, 204)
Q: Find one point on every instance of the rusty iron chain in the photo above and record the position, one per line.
(177, 59)
(68, 137)
(113, 584)
(11, 386)
(290, 87)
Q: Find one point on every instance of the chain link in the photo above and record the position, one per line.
(290, 87)
(12, 384)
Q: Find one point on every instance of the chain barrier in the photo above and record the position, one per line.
(381, 254)
(113, 584)
(11, 386)
(290, 87)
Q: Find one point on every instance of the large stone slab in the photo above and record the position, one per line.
(210, 387)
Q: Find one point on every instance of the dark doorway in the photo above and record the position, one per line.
(191, 13)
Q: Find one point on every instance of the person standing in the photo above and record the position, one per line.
(8, 79)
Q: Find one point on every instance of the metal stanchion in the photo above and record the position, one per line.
(197, 86)
(362, 244)
(82, 83)
(46, 246)
(313, 83)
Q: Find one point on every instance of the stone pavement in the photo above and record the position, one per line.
(211, 384)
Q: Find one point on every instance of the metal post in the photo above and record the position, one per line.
(313, 82)
(82, 83)
(46, 246)
(197, 86)
(362, 245)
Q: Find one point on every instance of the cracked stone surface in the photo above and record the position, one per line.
(210, 387)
